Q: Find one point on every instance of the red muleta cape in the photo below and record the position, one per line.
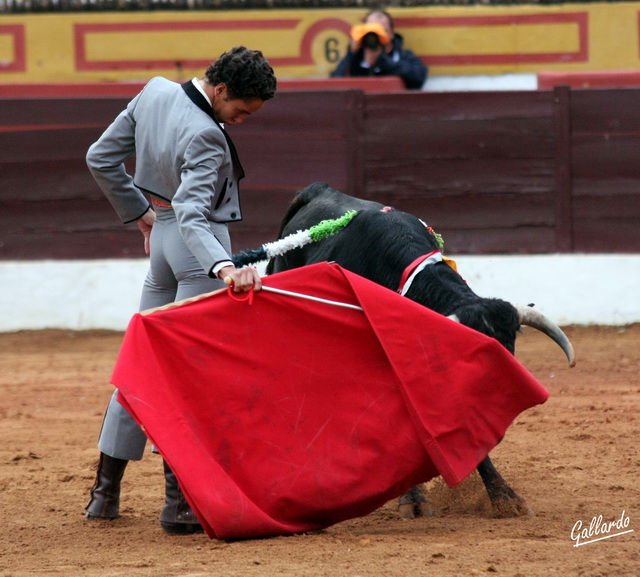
(288, 415)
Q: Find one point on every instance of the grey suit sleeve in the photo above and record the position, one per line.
(203, 160)
(106, 159)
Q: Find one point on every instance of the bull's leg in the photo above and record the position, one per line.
(414, 504)
(506, 502)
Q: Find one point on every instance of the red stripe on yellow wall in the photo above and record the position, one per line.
(17, 36)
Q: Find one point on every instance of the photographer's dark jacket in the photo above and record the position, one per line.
(398, 62)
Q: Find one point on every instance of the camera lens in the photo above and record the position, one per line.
(371, 41)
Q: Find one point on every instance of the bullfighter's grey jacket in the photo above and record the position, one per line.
(183, 156)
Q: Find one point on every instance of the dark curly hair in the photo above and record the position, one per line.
(246, 73)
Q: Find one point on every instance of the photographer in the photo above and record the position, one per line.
(376, 50)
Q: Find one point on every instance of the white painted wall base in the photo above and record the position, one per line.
(487, 83)
(103, 294)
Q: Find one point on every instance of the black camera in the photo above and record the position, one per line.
(371, 41)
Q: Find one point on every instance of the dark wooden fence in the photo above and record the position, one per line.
(494, 172)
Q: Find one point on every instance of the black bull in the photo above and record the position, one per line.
(379, 244)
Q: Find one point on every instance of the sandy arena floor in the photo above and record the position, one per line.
(574, 458)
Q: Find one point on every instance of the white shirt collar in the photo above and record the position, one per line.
(196, 83)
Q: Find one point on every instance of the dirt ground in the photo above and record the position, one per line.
(574, 458)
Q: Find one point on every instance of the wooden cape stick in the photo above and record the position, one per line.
(264, 288)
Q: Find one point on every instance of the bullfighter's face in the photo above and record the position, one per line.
(233, 110)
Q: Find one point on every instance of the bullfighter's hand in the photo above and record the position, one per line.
(242, 280)
(145, 224)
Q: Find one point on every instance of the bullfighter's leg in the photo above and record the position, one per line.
(121, 440)
(175, 262)
(177, 517)
(506, 502)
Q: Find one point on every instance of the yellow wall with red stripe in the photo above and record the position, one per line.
(306, 43)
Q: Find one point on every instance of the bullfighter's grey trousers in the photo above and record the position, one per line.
(174, 274)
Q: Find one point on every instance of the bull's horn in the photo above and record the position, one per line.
(537, 320)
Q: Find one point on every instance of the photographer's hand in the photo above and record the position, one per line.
(371, 55)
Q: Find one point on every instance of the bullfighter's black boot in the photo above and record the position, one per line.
(177, 517)
(105, 493)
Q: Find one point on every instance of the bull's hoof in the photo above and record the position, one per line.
(413, 510)
(407, 511)
(414, 504)
(511, 507)
(424, 510)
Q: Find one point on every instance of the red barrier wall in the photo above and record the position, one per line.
(493, 172)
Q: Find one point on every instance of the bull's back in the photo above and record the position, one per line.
(377, 244)
(318, 202)
(311, 205)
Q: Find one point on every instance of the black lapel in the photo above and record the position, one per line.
(201, 102)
